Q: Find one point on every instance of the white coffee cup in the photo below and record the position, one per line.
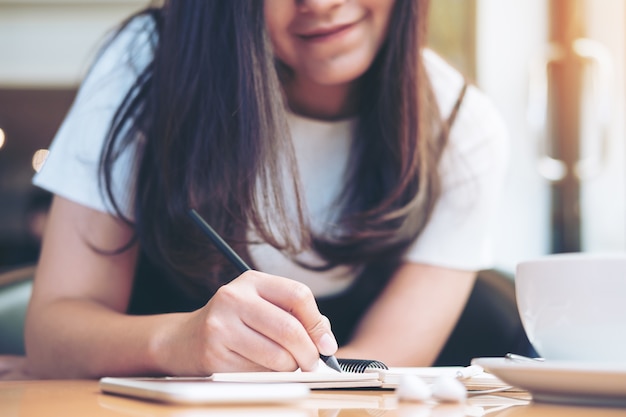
(573, 306)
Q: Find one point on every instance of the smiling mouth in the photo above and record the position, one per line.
(326, 33)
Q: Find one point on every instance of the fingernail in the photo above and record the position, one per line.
(327, 344)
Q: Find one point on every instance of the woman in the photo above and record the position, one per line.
(314, 136)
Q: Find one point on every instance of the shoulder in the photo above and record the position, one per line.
(445, 80)
(447, 83)
(478, 124)
(472, 169)
(125, 52)
(72, 167)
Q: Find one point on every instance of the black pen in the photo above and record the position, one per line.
(242, 266)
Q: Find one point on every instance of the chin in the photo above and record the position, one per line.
(338, 73)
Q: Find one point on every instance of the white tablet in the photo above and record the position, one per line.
(203, 390)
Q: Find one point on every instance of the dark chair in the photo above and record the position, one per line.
(490, 324)
(15, 289)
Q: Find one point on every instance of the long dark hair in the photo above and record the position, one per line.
(208, 114)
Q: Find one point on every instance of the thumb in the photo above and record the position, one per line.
(323, 337)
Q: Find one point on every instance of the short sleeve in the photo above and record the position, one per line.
(473, 169)
(71, 169)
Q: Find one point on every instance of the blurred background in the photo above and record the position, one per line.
(554, 69)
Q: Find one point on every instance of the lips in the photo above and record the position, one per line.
(324, 32)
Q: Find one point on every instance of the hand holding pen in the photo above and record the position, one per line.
(305, 312)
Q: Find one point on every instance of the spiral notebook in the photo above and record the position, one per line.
(368, 374)
(358, 373)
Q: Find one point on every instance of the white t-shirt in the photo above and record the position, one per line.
(472, 167)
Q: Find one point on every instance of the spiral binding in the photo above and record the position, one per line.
(360, 365)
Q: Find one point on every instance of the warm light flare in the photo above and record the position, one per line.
(39, 158)
(2, 138)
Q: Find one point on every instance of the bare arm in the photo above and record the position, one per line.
(77, 326)
(411, 320)
(75, 316)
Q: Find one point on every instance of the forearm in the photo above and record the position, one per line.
(411, 320)
(82, 339)
(256, 322)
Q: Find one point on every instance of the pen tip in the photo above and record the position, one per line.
(332, 362)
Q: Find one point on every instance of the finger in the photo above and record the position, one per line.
(229, 345)
(266, 353)
(231, 361)
(286, 334)
(298, 300)
(325, 337)
(213, 349)
(292, 346)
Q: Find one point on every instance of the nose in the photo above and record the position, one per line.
(318, 6)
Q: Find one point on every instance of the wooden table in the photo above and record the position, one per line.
(73, 398)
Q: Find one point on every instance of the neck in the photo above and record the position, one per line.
(325, 102)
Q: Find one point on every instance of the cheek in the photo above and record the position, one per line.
(276, 26)
(282, 49)
(383, 17)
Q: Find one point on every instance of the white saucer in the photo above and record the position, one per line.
(601, 384)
